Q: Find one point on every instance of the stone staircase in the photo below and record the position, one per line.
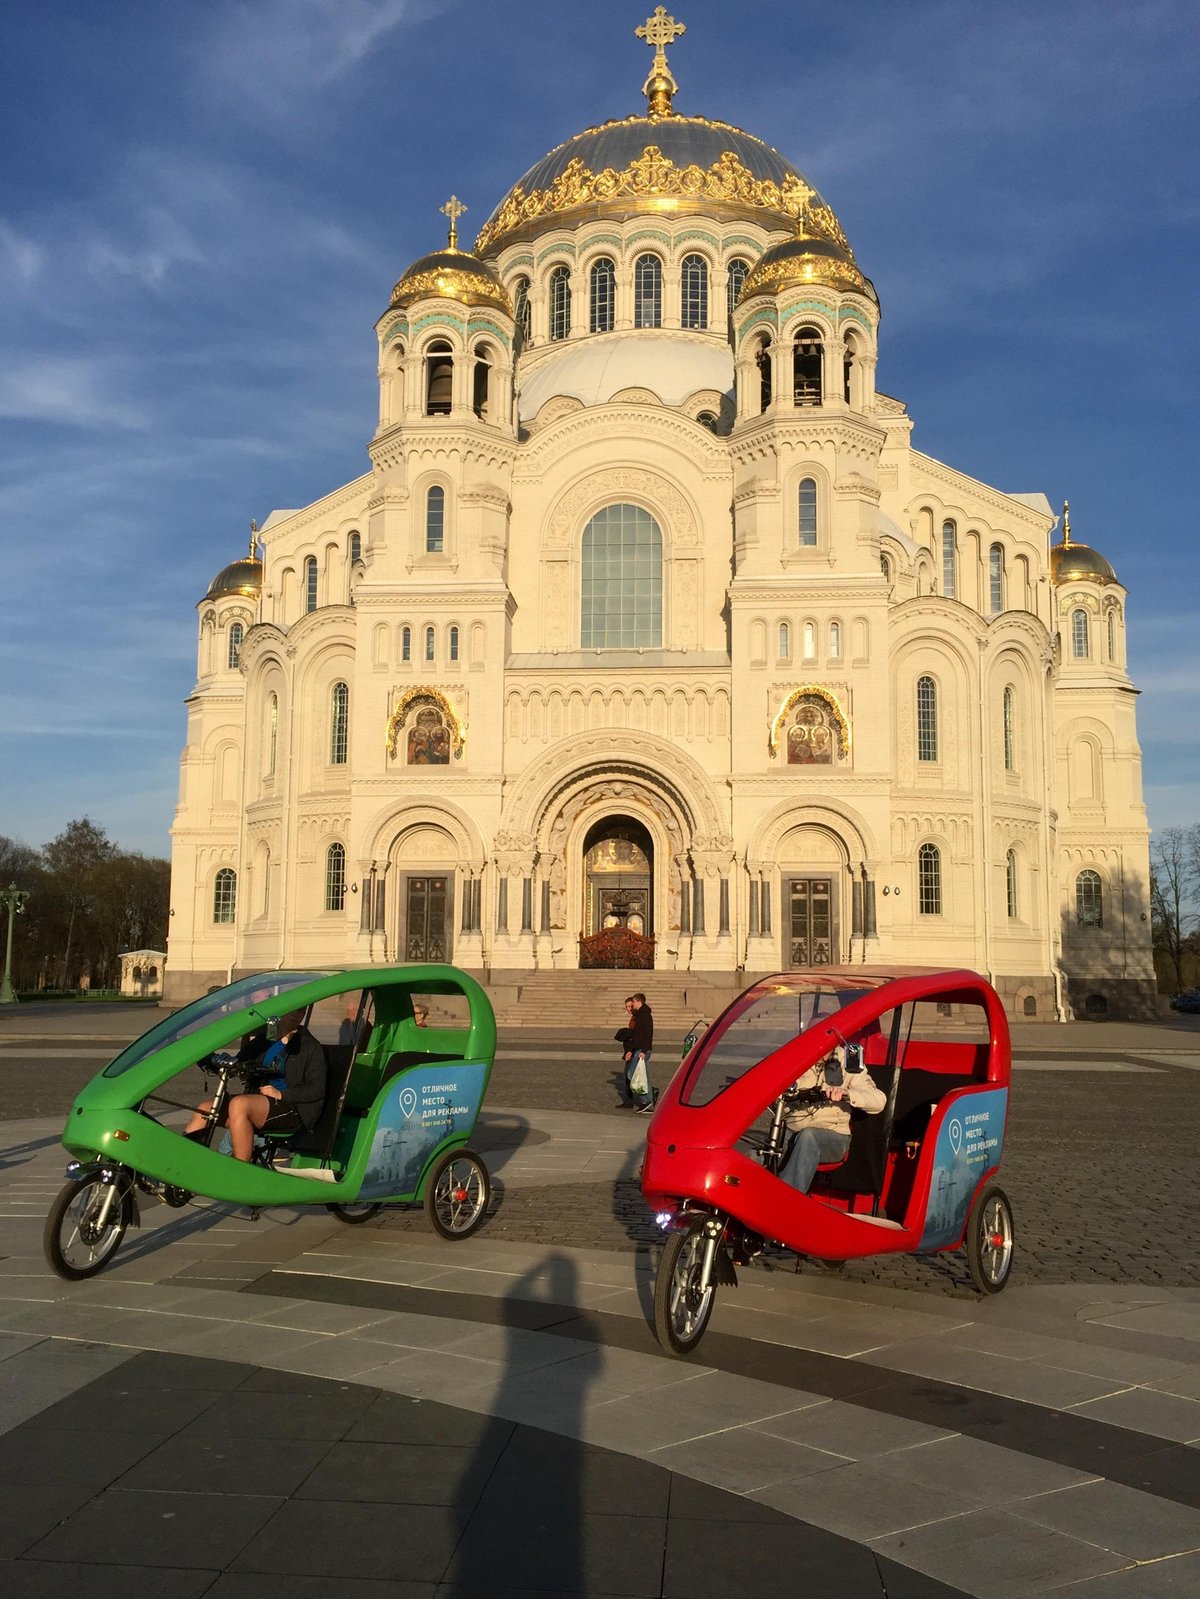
(590, 1001)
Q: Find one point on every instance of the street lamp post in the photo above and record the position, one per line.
(13, 900)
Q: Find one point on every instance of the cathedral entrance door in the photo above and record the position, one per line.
(618, 877)
(812, 923)
(426, 903)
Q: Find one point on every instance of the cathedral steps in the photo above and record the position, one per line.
(591, 1000)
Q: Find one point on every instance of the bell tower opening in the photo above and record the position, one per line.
(618, 877)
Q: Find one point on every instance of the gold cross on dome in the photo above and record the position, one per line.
(453, 209)
(660, 30)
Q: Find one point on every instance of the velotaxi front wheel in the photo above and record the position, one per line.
(991, 1238)
(457, 1194)
(353, 1215)
(681, 1307)
(85, 1226)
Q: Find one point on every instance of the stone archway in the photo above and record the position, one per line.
(618, 876)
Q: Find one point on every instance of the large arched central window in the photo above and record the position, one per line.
(621, 594)
(647, 292)
(603, 296)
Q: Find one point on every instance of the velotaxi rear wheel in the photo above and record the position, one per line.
(353, 1215)
(457, 1194)
(681, 1308)
(991, 1238)
(85, 1226)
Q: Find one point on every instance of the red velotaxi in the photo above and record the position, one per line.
(918, 1174)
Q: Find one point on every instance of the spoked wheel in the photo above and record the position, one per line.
(991, 1237)
(457, 1194)
(85, 1226)
(353, 1215)
(681, 1308)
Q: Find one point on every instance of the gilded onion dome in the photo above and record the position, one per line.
(452, 274)
(797, 262)
(1078, 563)
(240, 577)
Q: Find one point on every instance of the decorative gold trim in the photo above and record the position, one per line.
(811, 690)
(769, 277)
(451, 283)
(413, 696)
(655, 176)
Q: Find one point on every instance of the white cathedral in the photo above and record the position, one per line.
(649, 637)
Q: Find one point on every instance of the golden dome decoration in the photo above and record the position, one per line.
(1078, 563)
(452, 274)
(799, 262)
(240, 577)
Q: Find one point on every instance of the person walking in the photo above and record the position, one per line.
(640, 1046)
(624, 1037)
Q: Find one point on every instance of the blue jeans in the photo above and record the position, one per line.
(812, 1146)
(643, 1055)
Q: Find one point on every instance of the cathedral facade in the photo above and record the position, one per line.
(650, 637)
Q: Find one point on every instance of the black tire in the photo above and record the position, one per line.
(681, 1312)
(75, 1247)
(354, 1215)
(457, 1194)
(991, 1240)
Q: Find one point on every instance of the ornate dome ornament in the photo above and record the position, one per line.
(799, 262)
(240, 577)
(1078, 563)
(661, 163)
(452, 274)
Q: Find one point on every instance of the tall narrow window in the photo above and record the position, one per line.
(621, 592)
(335, 877)
(949, 559)
(808, 510)
(1112, 635)
(693, 292)
(481, 383)
(738, 272)
(885, 566)
(996, 579)
(237, 634)
(1080, 644)
(762, 359)
(435, 520)
(810, 641)
(1089, 900)
(1010, 883)
(929, 880)
(927, 720)
(272, 732)
(310, 583)
(522, 312)
(224, 895)
(849, 352)
(560, 303)
(647, 292)
(429, 644)
(602, 296)
(785, 641)
(439, 379)
(835, 641)
(808, 356)
(452, 644)
(355, 547)
(1010, 731)
(339, 724)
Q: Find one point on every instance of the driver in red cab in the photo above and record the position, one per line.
(819, 1114)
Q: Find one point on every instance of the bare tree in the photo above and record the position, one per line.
(1174, 873)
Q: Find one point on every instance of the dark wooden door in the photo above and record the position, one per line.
(427, 919)
(811, 925)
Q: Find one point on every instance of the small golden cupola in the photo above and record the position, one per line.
(240, 577)
(452, 274)
(1078, 563)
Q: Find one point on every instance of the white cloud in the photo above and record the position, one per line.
(67, 389)
(20, 255)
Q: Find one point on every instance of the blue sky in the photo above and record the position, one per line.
(204, 205)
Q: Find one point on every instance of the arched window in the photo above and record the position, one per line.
(885, 566)
(339, 724)
(355, 547)
(560, 303)
(738, 273)
(272, 732)
(435, 520)
(335, 877)
(1080, 644)
(602, 295)
(452, 644)
(996, 579)
(224, 895)
(1010, 731)
(439, 379)
(810, 641)
(1010, 883)
(929, 880)
(849, 356)
(949, 559)
(406, 643)
(1112, 635)
(481, 382)
(621, 593)
(521, 309)
(647, 292)
(927, 720)
(693, 292)
(1089, 900)
(808, 511)
(762, 359)
(429, 644)
(237, 633)
(310, 583)
(785, 641)
(835, 640)
(808, 357)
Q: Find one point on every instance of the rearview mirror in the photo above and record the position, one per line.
(854, 1057)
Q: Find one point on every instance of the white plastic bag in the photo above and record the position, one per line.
(639, 1080)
